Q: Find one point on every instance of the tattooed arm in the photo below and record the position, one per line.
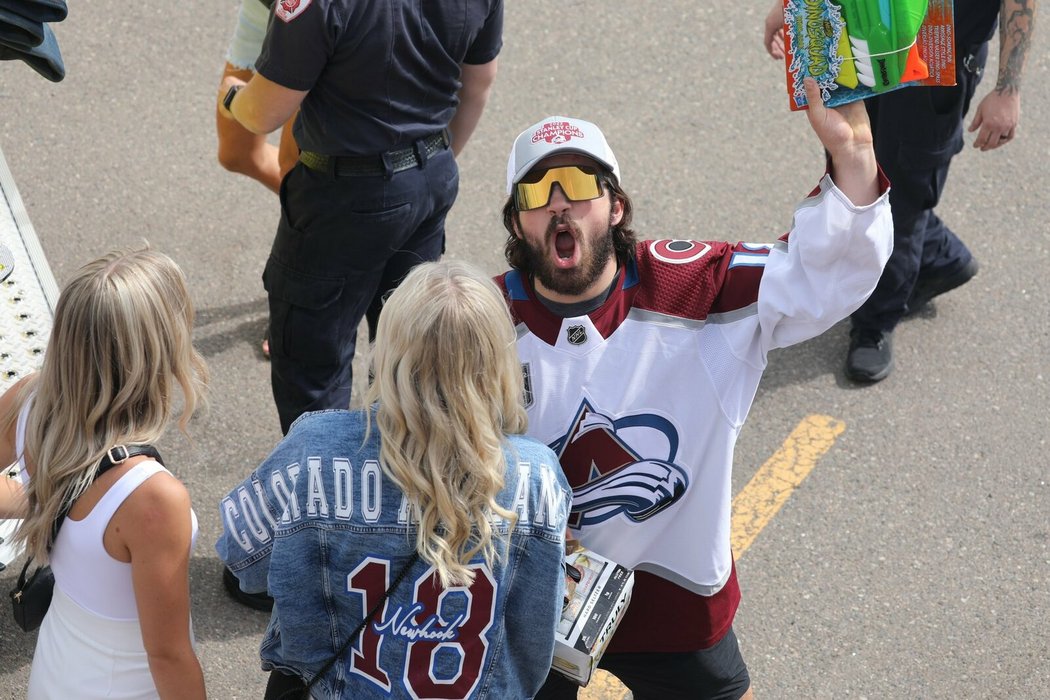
(999, 112)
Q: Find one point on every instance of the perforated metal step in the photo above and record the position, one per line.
(27, 304)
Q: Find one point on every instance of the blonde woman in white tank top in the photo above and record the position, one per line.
(120, 351)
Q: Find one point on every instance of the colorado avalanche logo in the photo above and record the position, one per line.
(614, 478)
(287, 10)
(678, 252)
(556, 132)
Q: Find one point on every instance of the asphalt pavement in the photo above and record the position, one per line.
(913, 561)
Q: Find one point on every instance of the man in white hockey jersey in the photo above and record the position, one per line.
(641, 360)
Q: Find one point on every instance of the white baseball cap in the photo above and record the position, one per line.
(558, 135)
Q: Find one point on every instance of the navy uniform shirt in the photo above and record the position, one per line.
(381, 74)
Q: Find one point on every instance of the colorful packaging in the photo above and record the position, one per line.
(859, 48)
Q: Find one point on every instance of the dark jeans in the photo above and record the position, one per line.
(917, 131)
(717, 673)
(342, 244)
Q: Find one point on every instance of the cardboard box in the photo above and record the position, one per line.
(879, 53)
(589, 620)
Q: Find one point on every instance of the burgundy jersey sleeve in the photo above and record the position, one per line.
(692, 279)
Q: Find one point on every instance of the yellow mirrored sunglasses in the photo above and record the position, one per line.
(579, 183)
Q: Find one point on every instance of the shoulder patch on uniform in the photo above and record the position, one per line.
(678, 252)
(287, 10)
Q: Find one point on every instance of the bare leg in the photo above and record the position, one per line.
(241, 151)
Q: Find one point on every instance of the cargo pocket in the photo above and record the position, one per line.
(931, 134)
(936, 133)
(302, 320)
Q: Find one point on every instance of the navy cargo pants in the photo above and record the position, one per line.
(342, 243)
(917, 131)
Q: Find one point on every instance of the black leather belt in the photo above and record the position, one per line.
(384, 164)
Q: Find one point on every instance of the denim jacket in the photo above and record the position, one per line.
(326, 531)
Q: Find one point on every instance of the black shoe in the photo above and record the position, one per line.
(256, 601)
(929, 286)
(870, 356)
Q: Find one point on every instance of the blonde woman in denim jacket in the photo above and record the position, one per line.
(437, 466)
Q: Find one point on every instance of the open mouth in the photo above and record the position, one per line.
(562, 236)
(564, 245)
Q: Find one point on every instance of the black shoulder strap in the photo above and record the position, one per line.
(118, 454)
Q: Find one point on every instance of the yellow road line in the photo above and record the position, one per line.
(775, 480)
(755, 506)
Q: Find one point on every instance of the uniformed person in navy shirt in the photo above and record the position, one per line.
(388, 92)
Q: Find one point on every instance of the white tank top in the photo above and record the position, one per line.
(83, 568)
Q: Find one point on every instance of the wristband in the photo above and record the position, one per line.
(228, 100)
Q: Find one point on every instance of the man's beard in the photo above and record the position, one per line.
(594, 255)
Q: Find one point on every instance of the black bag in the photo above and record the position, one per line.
(282, 686)
(31, 597)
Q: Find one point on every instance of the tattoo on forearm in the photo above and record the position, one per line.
(1016, 22)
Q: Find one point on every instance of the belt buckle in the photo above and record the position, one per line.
(114, 451)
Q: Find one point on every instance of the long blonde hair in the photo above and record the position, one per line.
(120, 344)
(448, 387)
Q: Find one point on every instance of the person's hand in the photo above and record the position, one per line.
(774, 37)
(997, 117)
(572, 577)
(845, 132)
(224, 87)
(572, 545)
(13, 500)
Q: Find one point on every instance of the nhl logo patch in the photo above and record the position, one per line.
(287, 10)
(576, 335)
